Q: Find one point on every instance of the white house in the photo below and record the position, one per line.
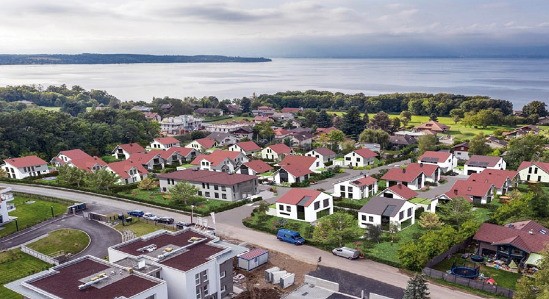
(359, 158)
(295, 169)
(534, 172)
(79, 159)
(399, 191)
(461, 151)
(150, 160)
(474, 191)
(304, 204)
(357, 188)
(324, 154)
(276, 152)
(180, 124)
(177, 155)
(248, 148)
(164, 143)
(477, 163)
(254, 167)
(202, 144)
(220, 160)
(124, 151)
(223, 139)
(503, 180)
(381, 211)
(127, 171)
(5, 206)
(445, 160)
(212, 185)
(29, 166)
(411, 177)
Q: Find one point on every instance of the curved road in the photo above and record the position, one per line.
(229, 225)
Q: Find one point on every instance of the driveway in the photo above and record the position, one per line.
(102, 236)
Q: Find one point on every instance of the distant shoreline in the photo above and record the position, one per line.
(88, 58)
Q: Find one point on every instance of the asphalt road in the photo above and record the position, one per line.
(235, 230)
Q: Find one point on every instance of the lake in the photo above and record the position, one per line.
(517, 80)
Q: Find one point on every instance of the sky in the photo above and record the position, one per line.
(277, 28)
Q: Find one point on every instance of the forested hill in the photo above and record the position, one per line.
(87, 58)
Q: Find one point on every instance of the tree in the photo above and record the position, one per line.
(405, 117)
(246, 105)
(335, 137)
(263, 131)
(184, 193)
(535, 107)
(433, 117)
(457, 114)
(478, 145)
(536, 286)
(335, 229)
(517, 208)
(3, 173)
(101, 179)
(430, 221)
(524, 149)
(352, 123)
(427, 143)
(310, 118)
(456, 211)
(392, 233)
(147, 184)
(375, 136)
(70, 176)
(395, 124)
(323, 120)
(417, 288)
(380, 121)
(374, 232)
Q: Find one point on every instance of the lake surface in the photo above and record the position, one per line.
(517, 80)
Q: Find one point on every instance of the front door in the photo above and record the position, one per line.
(301, 212)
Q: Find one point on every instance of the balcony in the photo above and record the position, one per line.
(7, 196)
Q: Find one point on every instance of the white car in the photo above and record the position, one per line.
(150, 216)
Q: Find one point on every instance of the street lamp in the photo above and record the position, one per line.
(192, 213)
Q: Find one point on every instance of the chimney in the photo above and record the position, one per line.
(403, 170)
(455, 191)
(420, 164)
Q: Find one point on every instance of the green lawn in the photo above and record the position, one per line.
(31, 210)
(387, 251)
(67, 240)
(15, 265)
(225, 119)
(140, 227)
(503, 278)
(351, 203)
(110, 159)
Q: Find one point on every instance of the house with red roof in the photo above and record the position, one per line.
(202, 144)
(399, 191)
(461, 151)
(211, 184)
(534, 171)
(320, 131)
(445, 160)
(513, 241)
(127, 171)
(322, 153)
(261, 119)
(304, 204)
(411, 177)
(152, 116)
(276, 152)
(478, 163)
(254, 167)
(225, 161)
(301, 139)
(503, 180)
(164, 143)
(296, 169)
(79, 159)
(24, 167)
(248, 148)
(433, 126)
(124, 151)
(150, 160)
(356, 188)
(291, 110)
(473, 191)
(281, 133)
(177, 155)
(359, 158)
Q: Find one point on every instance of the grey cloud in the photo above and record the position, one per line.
(220, 13)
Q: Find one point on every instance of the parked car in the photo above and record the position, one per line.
(150, 216)
(346, 252)
(136, 213)
(182, 225)
(166, 220)
(290, 236)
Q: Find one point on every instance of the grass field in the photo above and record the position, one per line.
(389, 251)
(30, 211)
(232, 119)
(67, 240)
(14, 265)
(140, 227)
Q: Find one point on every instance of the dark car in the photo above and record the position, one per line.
(182, 225)
(165, 220)
(136, 213)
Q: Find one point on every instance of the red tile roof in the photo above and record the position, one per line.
(542, 165)
(206, 142)
(433, 126)
(434, 157)
(166, 140)
(205, 176)
(408, 175)
(123, 168)
(466, 188)
(216, 157)
(144, 158)
(365, 153)
(258, 166)
(281, 132)
(325, 130)
(27, 161)
(75, 154)
(324, 151)
(365, 181)
(280, 148)
(489, 161)
(248, 146)
(183, 151)
(496, 177)
(252, 254)
(262, 118)
(290, 110)
(526, 235)
(82, 160)
(296, 195)
(297, 165)
(132, 148)
(403, 191)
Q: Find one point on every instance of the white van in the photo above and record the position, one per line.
(346, 252)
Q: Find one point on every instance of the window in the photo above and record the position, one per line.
(199, 193)
(197, 278)
(203, 186)
(342, 188)
(223, 196)
(326, 202)
(205, 290)
(536, 170)
(216, 187)
(364, 217)
(205, 274)
(371, 218)
(401, 215)
(350, 189)
(223, 188)
(539, 178)
(216, 195)
(222, 274)
(223, 289)
(317, 205)
(198, 293)
(288, 208)
(281, 207)
(207, 194)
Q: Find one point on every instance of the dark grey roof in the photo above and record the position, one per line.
(219, 136)
(402, 140)
(383, 206)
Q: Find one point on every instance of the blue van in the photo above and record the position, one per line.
(290, 236)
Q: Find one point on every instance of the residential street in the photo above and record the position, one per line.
(229, 225)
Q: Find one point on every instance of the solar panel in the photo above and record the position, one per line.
(388, 210)
(430, 160)
(303, 201)
(478, 164)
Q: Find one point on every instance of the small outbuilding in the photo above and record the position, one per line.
(253, 259)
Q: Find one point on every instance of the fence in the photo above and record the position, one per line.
(471, 283)
(39, 255)
(437, 259)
